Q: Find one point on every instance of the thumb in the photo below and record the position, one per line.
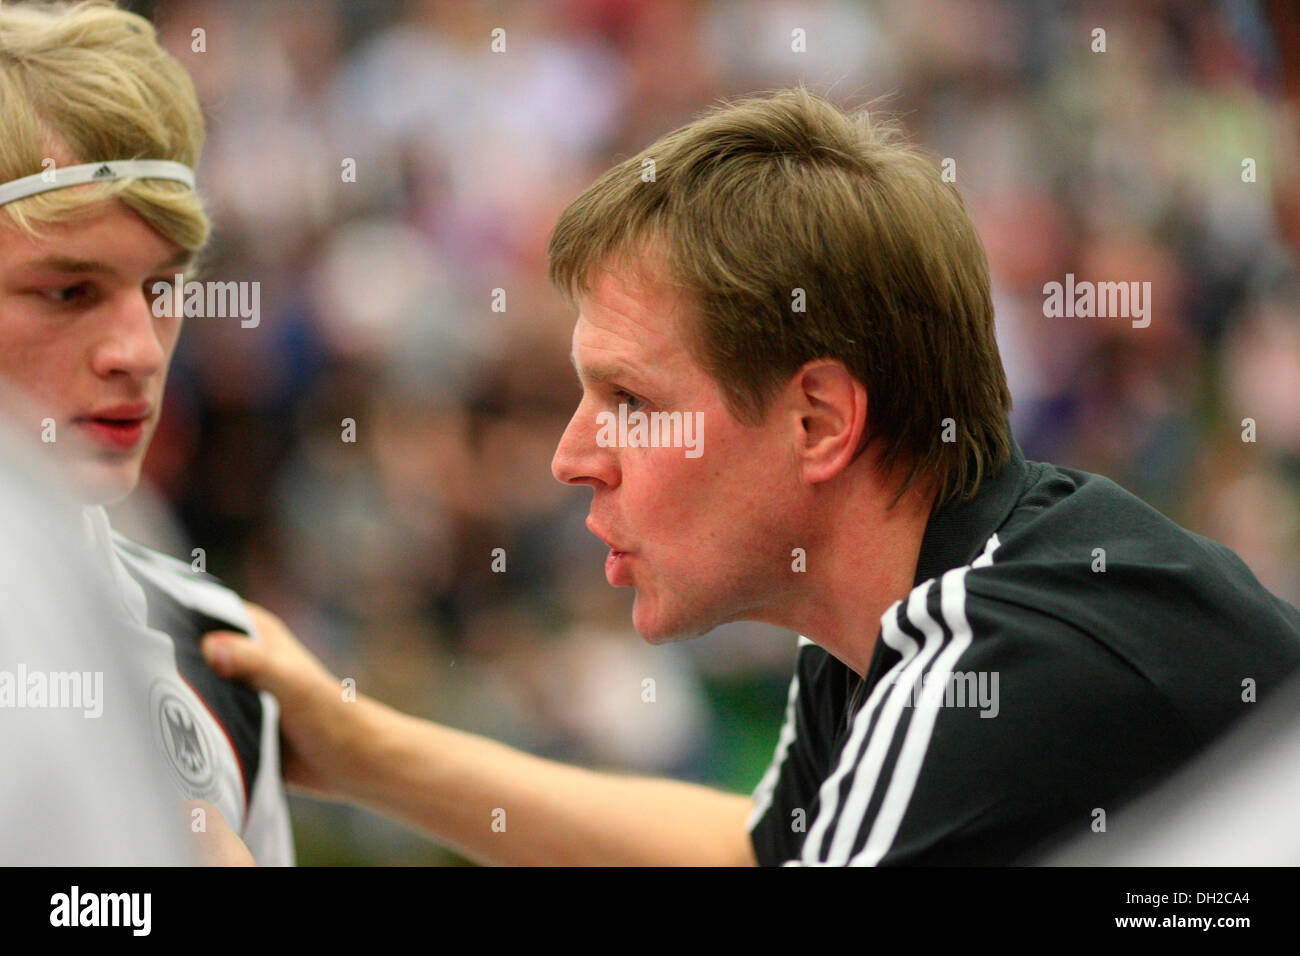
(237, 656)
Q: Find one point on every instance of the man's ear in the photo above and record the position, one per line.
(831, 406)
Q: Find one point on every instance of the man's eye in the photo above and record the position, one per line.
(70, 294)
(628, 399)
(78, 295)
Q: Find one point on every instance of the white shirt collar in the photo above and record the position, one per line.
(99, 540)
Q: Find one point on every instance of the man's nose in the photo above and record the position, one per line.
(129, 340)
(579, 459)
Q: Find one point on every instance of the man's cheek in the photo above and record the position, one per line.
(19, 365)
(38, 403)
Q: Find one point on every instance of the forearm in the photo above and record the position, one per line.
(499, 805)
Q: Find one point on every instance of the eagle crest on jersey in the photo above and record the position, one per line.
(180, 737)
(186, 747)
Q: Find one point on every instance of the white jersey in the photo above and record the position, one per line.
(82, 785)
(218, 738)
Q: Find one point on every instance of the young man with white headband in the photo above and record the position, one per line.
(98, 210)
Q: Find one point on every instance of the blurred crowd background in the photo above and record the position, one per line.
(377, 306)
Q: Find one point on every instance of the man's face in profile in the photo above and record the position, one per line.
(704, 540)
(79, 337)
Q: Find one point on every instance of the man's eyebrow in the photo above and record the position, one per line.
(61, 263)
(596, 374)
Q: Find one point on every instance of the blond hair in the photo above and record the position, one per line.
(757, 201)
(88, 82)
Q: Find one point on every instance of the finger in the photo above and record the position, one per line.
(276, 663)
(275, 635)
(267, 626)
(237, 656)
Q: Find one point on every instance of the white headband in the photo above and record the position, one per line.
(95, 173)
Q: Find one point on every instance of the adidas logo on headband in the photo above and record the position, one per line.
(96, 172)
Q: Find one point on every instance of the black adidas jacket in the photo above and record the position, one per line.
(1064, 647)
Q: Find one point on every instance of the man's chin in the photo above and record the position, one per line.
(104, 483)
(655, 627)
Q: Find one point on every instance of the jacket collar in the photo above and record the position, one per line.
(957, 532)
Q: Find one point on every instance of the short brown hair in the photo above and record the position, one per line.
(758, 199)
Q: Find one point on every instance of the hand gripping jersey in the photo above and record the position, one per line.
(1064, 647)
(218, 738)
